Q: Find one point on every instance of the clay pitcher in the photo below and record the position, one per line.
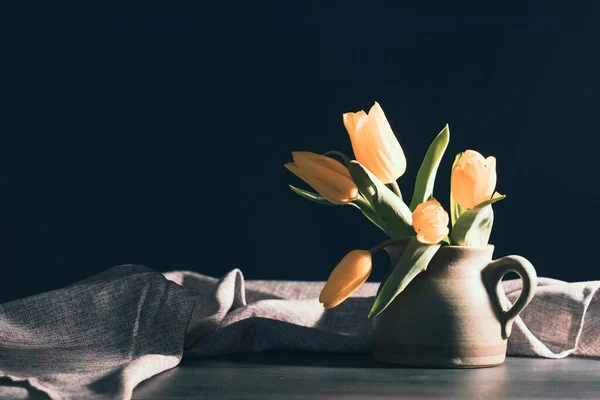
(451, 315)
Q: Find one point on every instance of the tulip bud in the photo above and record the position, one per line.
(473, 179)
(374, 144)
(330, 178)
(346, 278)
(430, 222)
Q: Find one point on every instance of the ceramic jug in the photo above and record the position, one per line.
(452, 314)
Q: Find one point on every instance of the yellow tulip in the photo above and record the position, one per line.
(430, 222)
(374, 144)
(473, 179)
(330, 178)
(346, 278)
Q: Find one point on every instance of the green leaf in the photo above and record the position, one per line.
(362, 206)
(341, 155)
(414, 260)
(473, 227)
(368, 212)
(317, 198)
(362, 177)
(455, 209)
(389, 208)
(429, 166)
(495, 197)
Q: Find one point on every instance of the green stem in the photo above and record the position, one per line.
(364, 206)
(389, 242)
(362, 201)
(396, 189)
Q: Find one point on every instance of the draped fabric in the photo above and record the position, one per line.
(99, 338)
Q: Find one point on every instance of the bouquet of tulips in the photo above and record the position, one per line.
(369, 183)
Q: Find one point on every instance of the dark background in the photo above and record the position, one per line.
(157, 134)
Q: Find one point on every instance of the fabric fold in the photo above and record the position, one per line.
(98, 338)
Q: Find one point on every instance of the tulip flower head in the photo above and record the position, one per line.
(430, 221)
(473, 179)
(374, 144)
(330, 178)
(351, 272)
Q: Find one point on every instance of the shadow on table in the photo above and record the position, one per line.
(19, 390)
(297, 358)
(307, 359)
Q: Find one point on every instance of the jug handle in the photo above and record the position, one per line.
(492, 276)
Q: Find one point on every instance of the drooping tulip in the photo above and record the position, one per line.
(430, 221)
(473, 179)
(330, 178)
(349, 275)
(374, 144)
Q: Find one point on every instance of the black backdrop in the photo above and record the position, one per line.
(157, 134)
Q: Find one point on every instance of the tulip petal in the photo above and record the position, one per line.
(462, 185)
(357, 136)
(372, 156)
(455, 209)
(322, 174)
(374, 144)
(485, 183)
(302, 158)
(428, 238)
(350, 273)
(342, 296)
(323, 189)
(388, 142)
(490, 164)
(354, 123)
(344, 186)
(379, 152)
(430, 221)
(351, 121)
(475, 166)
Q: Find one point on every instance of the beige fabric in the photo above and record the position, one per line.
(562, 319)
(99, 338)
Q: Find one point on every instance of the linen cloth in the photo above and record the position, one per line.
(98, 338)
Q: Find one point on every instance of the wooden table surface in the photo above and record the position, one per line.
(330, 376)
